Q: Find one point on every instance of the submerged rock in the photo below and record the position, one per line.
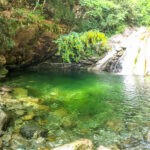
(115, 125)
(67, 122)
(20, 92)
(30, 130)
(83, 144)
(3, 120)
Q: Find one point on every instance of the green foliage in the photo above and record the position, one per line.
(107, 16)
(74, 46)
(22, 18)
(112, 16)
(27, 17)
(144, 12)
(10, 25)
(7, 32)
(61, 11)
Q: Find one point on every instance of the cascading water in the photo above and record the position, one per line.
(136, 59)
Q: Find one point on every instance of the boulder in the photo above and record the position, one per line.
(3, 120)
(31, 130)
(83, 144)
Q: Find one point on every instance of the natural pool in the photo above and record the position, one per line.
(106, 108)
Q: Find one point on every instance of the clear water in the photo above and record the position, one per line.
(106, 108)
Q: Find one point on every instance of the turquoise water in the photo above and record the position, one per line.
(106, 108)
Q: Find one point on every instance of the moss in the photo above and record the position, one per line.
(20, 92)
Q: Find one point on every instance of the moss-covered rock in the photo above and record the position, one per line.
(20, 92)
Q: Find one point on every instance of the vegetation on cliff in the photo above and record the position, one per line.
(28, 29)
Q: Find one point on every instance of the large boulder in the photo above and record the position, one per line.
(31, 130)
(3, 120)
(83, 144)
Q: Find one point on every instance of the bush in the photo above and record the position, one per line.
(112, 16)
(144, 12)
(74, 46)
(108, 16)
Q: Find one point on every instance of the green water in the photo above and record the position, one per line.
(108, 109)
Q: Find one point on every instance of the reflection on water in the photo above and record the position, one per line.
(109, 109)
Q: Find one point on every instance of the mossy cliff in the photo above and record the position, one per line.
(26, 37)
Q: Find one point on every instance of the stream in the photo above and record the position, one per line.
(109, 109)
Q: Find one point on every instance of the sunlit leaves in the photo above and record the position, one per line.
(74, 46)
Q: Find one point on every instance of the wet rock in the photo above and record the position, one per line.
(83, 144)
(20, 92)
(31, 130)
(3, 120)
(103, 148)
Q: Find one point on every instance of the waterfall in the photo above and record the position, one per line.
(136, 60)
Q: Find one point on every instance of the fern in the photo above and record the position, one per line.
(74, 46)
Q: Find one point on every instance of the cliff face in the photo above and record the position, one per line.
(26, 35)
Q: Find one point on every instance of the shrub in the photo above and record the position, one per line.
(111, 16)
(74, 46)
(144, 11)
(102, 15)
